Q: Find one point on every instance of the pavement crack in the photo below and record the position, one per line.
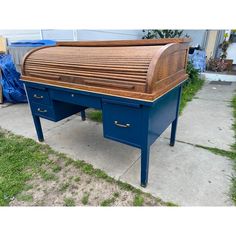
(63, 123)
(119, 178)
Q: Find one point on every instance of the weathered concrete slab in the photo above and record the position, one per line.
(217, 92)
(185, 175)
(208, 120)
(83, 140)
(17, 118)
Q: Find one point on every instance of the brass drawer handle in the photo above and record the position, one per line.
(38, 97)
(42, 111)
(121, 125)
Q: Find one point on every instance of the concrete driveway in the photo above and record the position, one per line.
(184, 174)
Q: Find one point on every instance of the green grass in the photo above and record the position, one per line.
(116, 194)
(64, 187)
(47, 176)
(56, 168)
(77, 179)
(189, 91)
(233, 188)
(233, 103)
(108, 202)
(221, 152)
(95, 115)
(85, 199)
(69, 201)
(19, 158)
(28, 187)
(25, 198)
(138, 200)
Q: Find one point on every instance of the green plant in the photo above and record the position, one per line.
(233, 104)
(69, 202)
(64, 187)
(156, 33)
(138, 200)
(217, 65)
(85, 198)
(108, 202)
(77, 179)
(116, 194)
(47, 175)
(95, 115)
(20, 158)
(25, 197)
(224, 46)
(56, 168)
(191, 86)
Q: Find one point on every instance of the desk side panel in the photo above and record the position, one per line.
(162, 114)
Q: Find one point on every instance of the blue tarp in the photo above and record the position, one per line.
(198, 58)
(13, 89)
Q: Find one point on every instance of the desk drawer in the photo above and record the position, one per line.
(75, 98)
(43, 111)
(38, 95)
(122, 123)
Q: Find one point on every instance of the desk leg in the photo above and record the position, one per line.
(173, 132)
(38, 128)
(175, 122)
(144, 165)
(83, 116)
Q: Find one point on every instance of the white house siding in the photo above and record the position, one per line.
(70, 35)
(15, 35)
(58, 35)
(109, 34)
(197, 36)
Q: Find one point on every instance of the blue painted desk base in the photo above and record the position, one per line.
(133, 122)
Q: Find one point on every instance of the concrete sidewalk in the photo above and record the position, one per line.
(184, 174)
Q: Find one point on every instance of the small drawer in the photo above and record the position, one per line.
(43, 111)
(122, 123)
(38, 96)
(76, 98)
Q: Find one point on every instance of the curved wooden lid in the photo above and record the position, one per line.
(129, 66)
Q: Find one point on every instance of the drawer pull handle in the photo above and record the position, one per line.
(38, 97)
(121, 125)
(42, 111)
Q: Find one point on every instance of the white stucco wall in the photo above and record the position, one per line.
(231, 52)
(198, 36)
(70, 35)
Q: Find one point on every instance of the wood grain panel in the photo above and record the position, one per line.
(142, 68)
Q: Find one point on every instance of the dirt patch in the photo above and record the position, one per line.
(62, 183)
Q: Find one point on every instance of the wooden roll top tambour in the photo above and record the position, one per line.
(141, 69)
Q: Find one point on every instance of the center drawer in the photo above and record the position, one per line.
(76, 98)
(122, 123)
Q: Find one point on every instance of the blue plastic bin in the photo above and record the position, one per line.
(33, 43)
(20, 48)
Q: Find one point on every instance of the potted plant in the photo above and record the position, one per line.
(224, 47)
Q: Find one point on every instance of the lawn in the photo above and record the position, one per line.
(32, 174)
